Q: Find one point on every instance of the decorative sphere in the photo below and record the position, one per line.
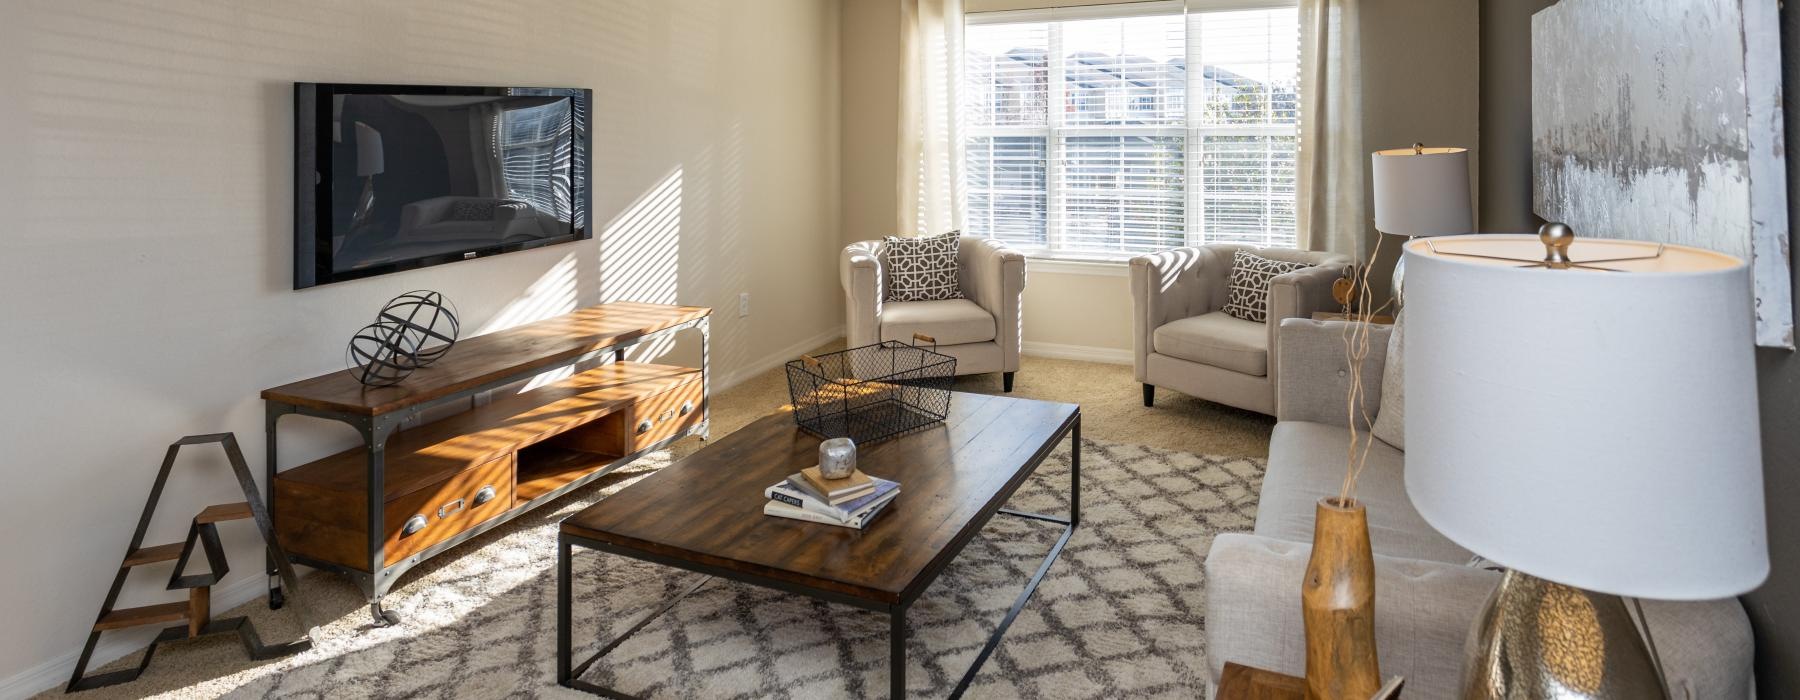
(429, 321)
(381, 354)
(1557, 235)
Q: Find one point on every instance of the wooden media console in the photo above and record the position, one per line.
(433, 486)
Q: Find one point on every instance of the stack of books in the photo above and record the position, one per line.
(851, 502)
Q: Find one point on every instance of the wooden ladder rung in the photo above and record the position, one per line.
(146, 615)
(152, 555)
(223, 512)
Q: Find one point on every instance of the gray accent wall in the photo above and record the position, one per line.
(1505, 186)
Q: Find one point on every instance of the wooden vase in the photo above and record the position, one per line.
(1338, 602)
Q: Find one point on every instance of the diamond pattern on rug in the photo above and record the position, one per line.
(1120, 613)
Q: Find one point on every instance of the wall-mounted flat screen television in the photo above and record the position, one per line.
(397, 177)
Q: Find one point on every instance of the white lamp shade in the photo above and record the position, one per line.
(1597, 429)
(370, 159)
(1424, 193)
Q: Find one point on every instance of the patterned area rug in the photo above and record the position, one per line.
(1120, 614)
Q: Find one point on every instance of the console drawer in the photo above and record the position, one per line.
(660, 416)
(457, 504)
(326, 522)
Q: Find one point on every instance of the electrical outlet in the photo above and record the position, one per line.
(743, 304)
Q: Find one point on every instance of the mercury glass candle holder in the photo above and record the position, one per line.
(837, 458)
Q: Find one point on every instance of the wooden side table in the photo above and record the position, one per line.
(1379, 319)
(1241, 682)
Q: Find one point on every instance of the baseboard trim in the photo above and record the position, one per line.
(1084, 353)
(775, 359)
(55, 672)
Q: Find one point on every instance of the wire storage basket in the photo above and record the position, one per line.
(871, 393)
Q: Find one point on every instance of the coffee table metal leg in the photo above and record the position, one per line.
(897, 653)
(564, 652)
(1075, 473)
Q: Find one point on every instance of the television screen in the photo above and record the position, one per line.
(394, 177)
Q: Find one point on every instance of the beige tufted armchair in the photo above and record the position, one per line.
(981, 331)
(1183, 340)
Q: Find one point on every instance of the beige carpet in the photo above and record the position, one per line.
(1119, 614)
(1112, 407)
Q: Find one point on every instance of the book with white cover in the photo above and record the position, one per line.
(859, 521)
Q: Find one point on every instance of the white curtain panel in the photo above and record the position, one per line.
(930, 160)
(1332, 161)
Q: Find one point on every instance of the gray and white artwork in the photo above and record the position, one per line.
(1661, 120)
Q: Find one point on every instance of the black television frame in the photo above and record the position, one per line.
(312, 179)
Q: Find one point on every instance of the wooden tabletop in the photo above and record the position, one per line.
(707, 508)
(492, 357)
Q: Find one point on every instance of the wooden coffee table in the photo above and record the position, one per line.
(704, 514)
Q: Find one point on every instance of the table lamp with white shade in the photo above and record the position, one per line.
(1584, 413)
(1421, 191)
(371, 160)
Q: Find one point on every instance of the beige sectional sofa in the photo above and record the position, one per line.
(1427, 594)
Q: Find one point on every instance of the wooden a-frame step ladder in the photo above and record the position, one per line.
(195, 613)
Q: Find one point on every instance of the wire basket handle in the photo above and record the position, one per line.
(811, 362)
(922, 338)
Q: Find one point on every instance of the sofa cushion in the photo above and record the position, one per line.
(1247, 297)
(1307, 462)
(950, 321)
(1216, 339)
(922, 269)
(1390, 418)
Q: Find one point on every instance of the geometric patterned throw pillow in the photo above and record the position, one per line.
(1248, 296)
(922, 269)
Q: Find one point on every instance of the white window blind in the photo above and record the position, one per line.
(1092, 138)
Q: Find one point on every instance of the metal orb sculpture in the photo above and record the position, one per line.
(429, 320)
(382, 354)
(413, 330)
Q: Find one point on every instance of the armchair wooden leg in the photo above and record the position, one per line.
(1149, 395)
(1006, 381)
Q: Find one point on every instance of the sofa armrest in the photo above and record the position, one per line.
(859, 270)
(1424, 611)
(1298, 294)
(993, 276)
(1315, 371)
(1166, 286)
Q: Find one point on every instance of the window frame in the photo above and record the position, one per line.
(1056, 131)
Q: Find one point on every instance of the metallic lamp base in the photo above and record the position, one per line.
(1539, 639)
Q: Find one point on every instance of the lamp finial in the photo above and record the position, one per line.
(1557, 238)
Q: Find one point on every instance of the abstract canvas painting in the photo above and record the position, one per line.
(1661, 120)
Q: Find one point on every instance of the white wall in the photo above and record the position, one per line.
(146, 190)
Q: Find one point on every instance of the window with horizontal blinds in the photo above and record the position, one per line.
(1092, 138)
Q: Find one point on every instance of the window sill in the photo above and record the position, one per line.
(1066, 266)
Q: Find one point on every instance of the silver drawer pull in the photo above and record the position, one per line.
(484, 495)
(687, 407)
(413, 525)
(451, 508)
(644, 427)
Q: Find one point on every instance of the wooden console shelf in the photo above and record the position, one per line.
(438, 484)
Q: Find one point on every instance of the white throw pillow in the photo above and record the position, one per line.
(1390, 420)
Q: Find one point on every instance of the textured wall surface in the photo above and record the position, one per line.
(1775, 608)
(1660, 120)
